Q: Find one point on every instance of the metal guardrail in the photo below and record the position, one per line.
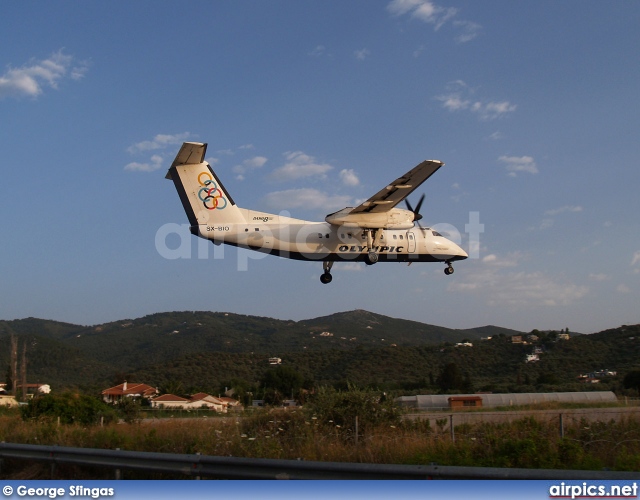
(262, 468)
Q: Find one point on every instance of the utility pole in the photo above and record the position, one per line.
(14, 365)
(23, 370)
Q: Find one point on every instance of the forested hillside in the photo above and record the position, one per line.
(208, 351)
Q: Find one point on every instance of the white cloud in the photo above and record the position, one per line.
(636, 258)
(468, 31)
(548, 221)
(492, 110)
(154, 164)
(545, 224)
(509, 260)
(599, 277)
(160, 141)
(453, 102)
(318, 51)
(517, 164)
(460, 97)
(349, 266)
(349, 177)
(305, 198)
(227, 152)
(298, 166)
(423, 10)
(500, 286)
(419, 51)
(566, 208)
(249, 165)
(30, 79)
(362, 54)
(623, 289)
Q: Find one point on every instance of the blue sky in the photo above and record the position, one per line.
(308, 107)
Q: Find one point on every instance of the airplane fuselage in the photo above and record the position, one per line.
(320, 241)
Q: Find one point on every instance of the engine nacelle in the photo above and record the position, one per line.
(396, 218)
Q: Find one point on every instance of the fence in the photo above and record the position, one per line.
(198, 466)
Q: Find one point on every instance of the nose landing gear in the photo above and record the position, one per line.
(449, 269)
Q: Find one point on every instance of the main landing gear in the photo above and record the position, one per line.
(326, 276)
(449, 269)
(374, 237)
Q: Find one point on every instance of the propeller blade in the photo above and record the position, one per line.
(409, 207)
(419, 205)
(416, 213)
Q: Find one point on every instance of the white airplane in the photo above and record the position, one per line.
(374, 231)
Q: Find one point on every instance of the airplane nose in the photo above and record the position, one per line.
(461, 254)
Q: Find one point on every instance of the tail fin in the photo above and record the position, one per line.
(204, 198)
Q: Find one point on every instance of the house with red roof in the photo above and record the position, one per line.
(202, 399)
(126, 390)
(169, 401)
(195, 402)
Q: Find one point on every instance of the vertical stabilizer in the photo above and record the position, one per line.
(204, 198)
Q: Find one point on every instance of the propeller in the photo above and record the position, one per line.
(416, 213)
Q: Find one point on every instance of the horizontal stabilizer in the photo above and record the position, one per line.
(191, 153)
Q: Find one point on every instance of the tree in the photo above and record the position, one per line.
(632, 380)
(548, 378)
(450, 378)
(283, 379)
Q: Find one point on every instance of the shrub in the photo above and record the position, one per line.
(69, 408)
(342, 407)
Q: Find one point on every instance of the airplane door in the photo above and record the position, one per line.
(412, 242)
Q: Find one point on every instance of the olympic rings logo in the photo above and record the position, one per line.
(209, 194)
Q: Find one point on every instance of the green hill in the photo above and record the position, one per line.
(208, 350)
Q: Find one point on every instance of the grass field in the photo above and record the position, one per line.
(298, 434)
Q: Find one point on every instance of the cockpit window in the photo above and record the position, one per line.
(436, 233)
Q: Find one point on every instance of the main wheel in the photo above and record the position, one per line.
(326, 278)
(372, 258)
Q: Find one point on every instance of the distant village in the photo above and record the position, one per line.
(23, 391)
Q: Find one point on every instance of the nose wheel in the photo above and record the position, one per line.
(326, 277)
(449, 269)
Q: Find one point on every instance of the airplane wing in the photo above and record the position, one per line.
(398, 190)
(190, 153)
